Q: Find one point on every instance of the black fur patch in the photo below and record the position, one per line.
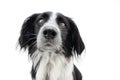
(76, 74)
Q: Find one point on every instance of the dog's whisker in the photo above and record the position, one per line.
(33, 44)
(30, 34)
(29, 40)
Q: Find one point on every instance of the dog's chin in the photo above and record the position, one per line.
(47, 47)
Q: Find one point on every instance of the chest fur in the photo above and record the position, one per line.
(52, 66)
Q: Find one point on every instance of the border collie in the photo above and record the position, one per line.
(52, 40)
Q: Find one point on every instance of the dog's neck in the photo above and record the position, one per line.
(52, 66)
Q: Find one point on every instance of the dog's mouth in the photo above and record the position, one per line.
(48, 44)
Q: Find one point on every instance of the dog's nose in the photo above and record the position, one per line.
(49, 33)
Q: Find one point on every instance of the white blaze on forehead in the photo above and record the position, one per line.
(52, 21)
(53, 16)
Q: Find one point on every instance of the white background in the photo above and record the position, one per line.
(97, 20)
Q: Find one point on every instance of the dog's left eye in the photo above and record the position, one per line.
(62, 24)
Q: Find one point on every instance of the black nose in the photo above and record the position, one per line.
(49, 33)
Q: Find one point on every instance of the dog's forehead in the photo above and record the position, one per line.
(53, 15)
(52, 18)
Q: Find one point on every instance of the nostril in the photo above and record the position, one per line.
(45, 32)
(49, 33)
(53, 33)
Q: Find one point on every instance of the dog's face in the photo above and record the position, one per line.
(51, 32)
(49, 36)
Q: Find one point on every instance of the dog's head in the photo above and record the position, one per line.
(51, 32)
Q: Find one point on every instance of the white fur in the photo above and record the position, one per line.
(56, 66)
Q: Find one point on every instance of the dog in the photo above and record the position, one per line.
(52, 40)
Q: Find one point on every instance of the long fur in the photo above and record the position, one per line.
(54, 61)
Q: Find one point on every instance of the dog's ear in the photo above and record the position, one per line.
(77, 42)
(27, 31)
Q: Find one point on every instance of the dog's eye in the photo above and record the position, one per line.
(41, 21)
(62, 24)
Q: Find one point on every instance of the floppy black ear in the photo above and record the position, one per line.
(27, 32)
(77, 42)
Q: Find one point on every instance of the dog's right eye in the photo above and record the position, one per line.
(41, 21)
